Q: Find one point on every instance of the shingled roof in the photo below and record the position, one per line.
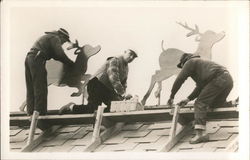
(131, 137)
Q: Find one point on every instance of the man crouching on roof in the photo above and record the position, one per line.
(213, 85)
(108, 84)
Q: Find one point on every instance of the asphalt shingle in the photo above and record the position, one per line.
(132, 127)
(137, 137)
(15, 132)
(135, 134)
(83, 141)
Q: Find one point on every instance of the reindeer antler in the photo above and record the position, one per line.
(74, 45)
(193, 31)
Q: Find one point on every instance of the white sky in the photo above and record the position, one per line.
(116, 27)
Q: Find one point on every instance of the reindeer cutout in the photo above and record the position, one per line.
(73, 76)
(170, 57)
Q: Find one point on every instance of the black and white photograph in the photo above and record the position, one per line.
(124, 79)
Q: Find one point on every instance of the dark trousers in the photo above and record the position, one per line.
(213, 95)
(36, 83)
(98, 94)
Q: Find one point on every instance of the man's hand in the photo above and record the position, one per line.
(128, 96)
(170, 102)
(73, 45)
(183, 102)
(120, 98)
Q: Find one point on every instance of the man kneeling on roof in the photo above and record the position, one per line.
(108, 84)
(213, 85)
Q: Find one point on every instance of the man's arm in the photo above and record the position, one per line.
(59, 52)
(183, 75)
(124, 83)
(114, 77)
(195, 93)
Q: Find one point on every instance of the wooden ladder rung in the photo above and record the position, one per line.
(174, 121)
(98, 122)
(33, 125)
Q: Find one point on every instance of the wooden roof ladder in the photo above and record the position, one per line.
(97, 138)
(175, 137)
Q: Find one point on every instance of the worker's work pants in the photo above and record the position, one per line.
(36, 83)
(213, 95)
(98, 94)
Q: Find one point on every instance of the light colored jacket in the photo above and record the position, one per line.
(113, 74)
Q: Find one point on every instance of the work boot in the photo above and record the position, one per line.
(200, 136)
(66, 109)
(43, 126)
(199, 139)
(81, 109)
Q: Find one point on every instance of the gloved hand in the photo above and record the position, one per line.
(183, 102)
(170, 102)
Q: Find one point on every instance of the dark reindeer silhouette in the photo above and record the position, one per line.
(73, 76)
(170, 57)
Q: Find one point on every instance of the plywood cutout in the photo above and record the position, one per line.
(169, 58)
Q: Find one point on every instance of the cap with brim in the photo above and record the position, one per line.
(133, 53)
(185, 57)
(61, 31)
(182, 60)
(64, 33)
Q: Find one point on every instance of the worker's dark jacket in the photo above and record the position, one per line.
(51, 47)
(46, 47)
(201, 71)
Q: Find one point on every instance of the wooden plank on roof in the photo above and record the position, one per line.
(127, 117)
(164, 115)
(33, 126)
(174, 122)
(172, 142)
(155, 107)
(104, 136)
(22, 113)
(38, 140)
(67, 119)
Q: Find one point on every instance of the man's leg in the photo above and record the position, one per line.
(95, 90)
(220, 100)
(29, 88)
(110, 96)
(40, 85)
(98, 94)
(205, 100)
(200, 114)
